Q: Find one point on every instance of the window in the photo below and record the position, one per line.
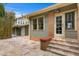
(34, 24)
(23, 22)
(40, 23)
(70, 17)
(59, 24)
(17, 22)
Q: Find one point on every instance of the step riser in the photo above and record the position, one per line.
(65, 43)
(62, 45)
(55, 53)
(70, 42)
(66, 40)
(61, 51)
(64, 48)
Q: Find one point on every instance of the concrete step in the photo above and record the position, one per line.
(63, 48)
(60, 51)
(67, 43)
(68, 48)
(47, 53)
(57, 51)
(53, 50)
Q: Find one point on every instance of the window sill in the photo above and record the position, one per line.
(38, 30)
(70, 30)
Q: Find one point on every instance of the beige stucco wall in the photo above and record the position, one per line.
(51, 24)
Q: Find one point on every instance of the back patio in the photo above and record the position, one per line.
(21, 46)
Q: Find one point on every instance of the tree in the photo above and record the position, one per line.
(2, 16)
(6, 22)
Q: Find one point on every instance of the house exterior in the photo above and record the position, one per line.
(59, 21)
(21, 26)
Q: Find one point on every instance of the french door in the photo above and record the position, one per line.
(59, 26)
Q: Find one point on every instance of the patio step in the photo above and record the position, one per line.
(64, 48)
(67, 43)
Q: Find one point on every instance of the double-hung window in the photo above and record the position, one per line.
(38, 23)
(34, 24)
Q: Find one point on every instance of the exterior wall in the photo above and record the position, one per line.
(51, 24)
(20, 26)
(22, 31)
(71, 34)
(37, 34)
(78, 21)
(27, 30)
(21, 22)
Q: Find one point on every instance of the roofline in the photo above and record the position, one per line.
(22, 16)
(59, 5)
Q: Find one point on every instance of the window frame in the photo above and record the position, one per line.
(66, 21)
(37, 22)
(75, 10)
(32, 23)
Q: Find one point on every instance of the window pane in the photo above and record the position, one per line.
(34, 24)
(70, 17)
(59, 24)
(40, 23)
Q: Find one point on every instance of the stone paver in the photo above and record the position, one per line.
(21, 46)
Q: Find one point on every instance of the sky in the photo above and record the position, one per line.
(25, 8)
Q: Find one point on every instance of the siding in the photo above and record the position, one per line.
(71, 34)
(78, 21)
(40, 33)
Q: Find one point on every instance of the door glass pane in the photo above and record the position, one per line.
(59, 24)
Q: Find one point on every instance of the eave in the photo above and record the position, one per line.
(49, 9)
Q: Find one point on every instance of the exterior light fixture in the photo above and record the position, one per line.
(57, 10)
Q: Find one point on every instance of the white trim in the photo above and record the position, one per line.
(75, 20)
(43, 22)
(32, 22)
(70, 11)
(29, 30)
(37, 24)
(63, 27)
(73, 10)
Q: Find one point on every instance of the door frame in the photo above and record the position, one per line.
(63, 26)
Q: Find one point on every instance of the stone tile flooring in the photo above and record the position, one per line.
(21, 46)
